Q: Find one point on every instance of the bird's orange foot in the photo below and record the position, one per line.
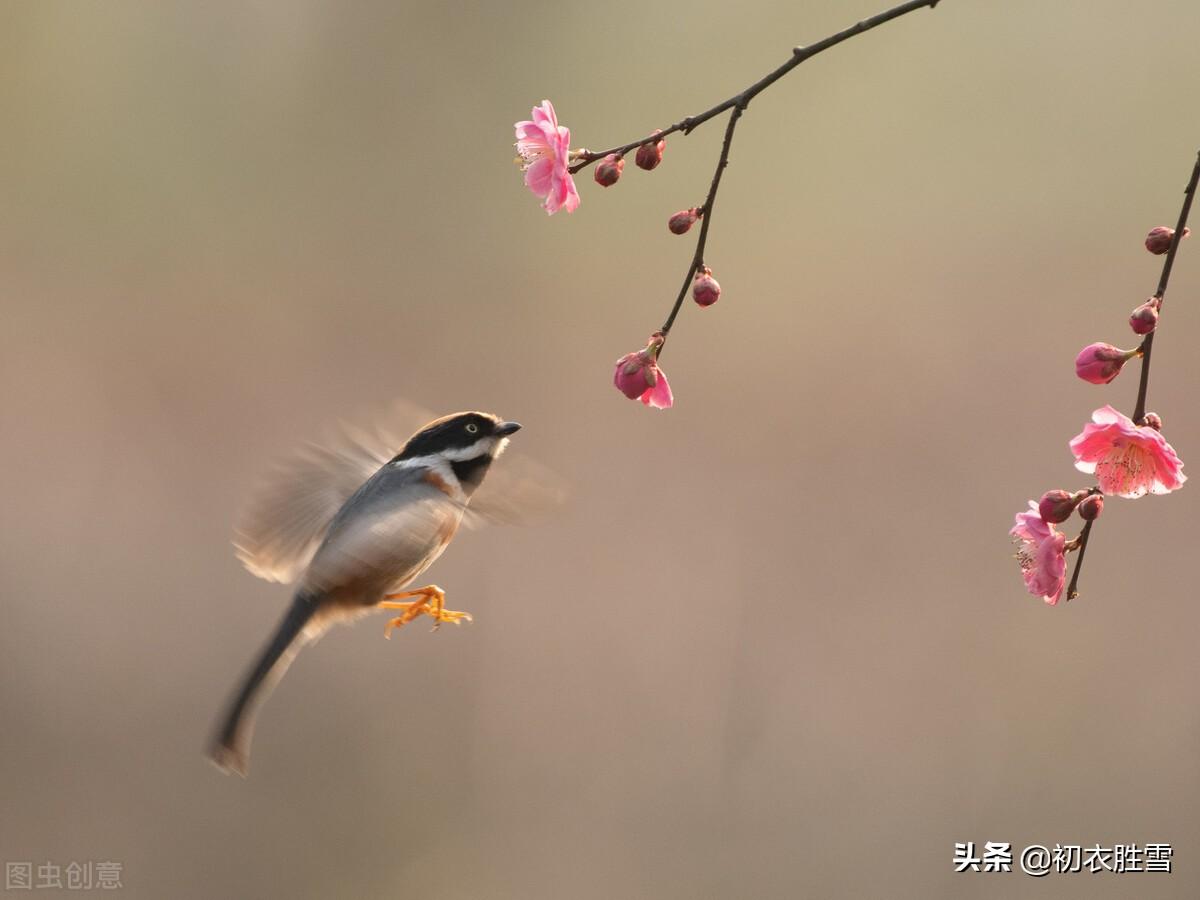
(431, 602)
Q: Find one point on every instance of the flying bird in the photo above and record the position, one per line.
(354, 528)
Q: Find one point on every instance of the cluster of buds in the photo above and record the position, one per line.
(1129, 459)
(1100, 363)
(649, 155)
(1057, 506)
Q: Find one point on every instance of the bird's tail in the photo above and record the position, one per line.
(230, 748)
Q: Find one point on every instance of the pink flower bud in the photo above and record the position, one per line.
(1091, 507)
(650, 155)
(1100, 363)
(682, 221)
(1144, 319)
(1158, 241)
(1154, 420)
(638, 376)
(1057, 506)
(705, 290)
(609, 169)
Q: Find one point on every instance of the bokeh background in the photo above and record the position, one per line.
(776, 645)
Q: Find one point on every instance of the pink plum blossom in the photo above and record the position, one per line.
(1041, 554)
(544, 148)
(1128, 460)
(638, 376)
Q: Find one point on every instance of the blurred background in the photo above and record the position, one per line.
(777, 645)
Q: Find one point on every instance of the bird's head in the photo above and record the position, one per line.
(467, 442)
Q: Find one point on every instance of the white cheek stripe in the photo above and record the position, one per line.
(439, 463)
(454, 454)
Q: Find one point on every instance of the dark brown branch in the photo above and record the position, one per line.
(706, 218)
(1073, 587)
(1139, 410)
(743, 98)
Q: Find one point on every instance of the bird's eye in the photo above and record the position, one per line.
(472, 428)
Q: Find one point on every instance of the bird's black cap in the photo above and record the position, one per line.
(456, 431)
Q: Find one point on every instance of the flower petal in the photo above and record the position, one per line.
(659, 396)
(539, 177)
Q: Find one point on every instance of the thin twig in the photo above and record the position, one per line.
(799, 55)
(1072, 591)
(705, 220)
(1139, 410)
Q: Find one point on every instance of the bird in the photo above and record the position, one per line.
(354, 545)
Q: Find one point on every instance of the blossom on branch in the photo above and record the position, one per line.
(544, 147)
(638, 376)
(1128, 460)
(1040, 551)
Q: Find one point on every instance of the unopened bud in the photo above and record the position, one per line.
(1144, 319)
(1057, 506)
(608, 170)
(1158, 241)
(1091, 507)
(650, 155)
(682, 221)
(705, 290)
(1100, 363)
(1154, 420)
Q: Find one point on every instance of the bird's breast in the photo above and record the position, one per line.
(384, 548)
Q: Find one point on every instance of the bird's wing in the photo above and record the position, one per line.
(518, 490)
(286, 520)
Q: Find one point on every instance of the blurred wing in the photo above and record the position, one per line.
(517, 491)
(287, 519)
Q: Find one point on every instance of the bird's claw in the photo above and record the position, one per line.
(431, 603)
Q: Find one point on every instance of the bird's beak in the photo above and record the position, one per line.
(504, 429)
